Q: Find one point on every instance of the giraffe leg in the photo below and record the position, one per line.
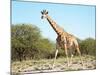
(66, 52)
(72, 54)
(55, 58)
(67, 57)
(55, 55)
(71, 59)
(79, 55)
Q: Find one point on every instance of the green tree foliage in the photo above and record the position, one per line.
(45, 49)
(27, 43)
(88, 46)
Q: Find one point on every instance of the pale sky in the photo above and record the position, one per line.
(76, 19)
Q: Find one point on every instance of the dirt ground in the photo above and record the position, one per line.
(45, 65)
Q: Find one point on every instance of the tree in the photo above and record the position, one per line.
(88, 46)
(23, 37)
(27, 43)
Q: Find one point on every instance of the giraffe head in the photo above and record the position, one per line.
(44, 14)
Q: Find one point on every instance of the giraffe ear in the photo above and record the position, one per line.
(41, 12)
(47, 12)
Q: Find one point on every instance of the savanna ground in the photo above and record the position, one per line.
(45, 65)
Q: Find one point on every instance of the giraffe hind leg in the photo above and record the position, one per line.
(76, 45)
(78, 50)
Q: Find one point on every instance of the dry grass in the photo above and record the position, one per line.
(45, 65)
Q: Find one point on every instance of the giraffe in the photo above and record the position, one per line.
(64, 40)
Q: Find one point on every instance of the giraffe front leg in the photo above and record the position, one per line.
(55, 58)
(66, 52)
(68, 63)
(71, 59)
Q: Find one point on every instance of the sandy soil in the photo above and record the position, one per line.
(45, 65)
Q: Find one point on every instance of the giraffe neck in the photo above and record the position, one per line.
(56, 28)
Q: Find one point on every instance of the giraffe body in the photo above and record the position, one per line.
(69, 40)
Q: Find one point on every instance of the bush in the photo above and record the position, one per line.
(27, 43)
(88, 46)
